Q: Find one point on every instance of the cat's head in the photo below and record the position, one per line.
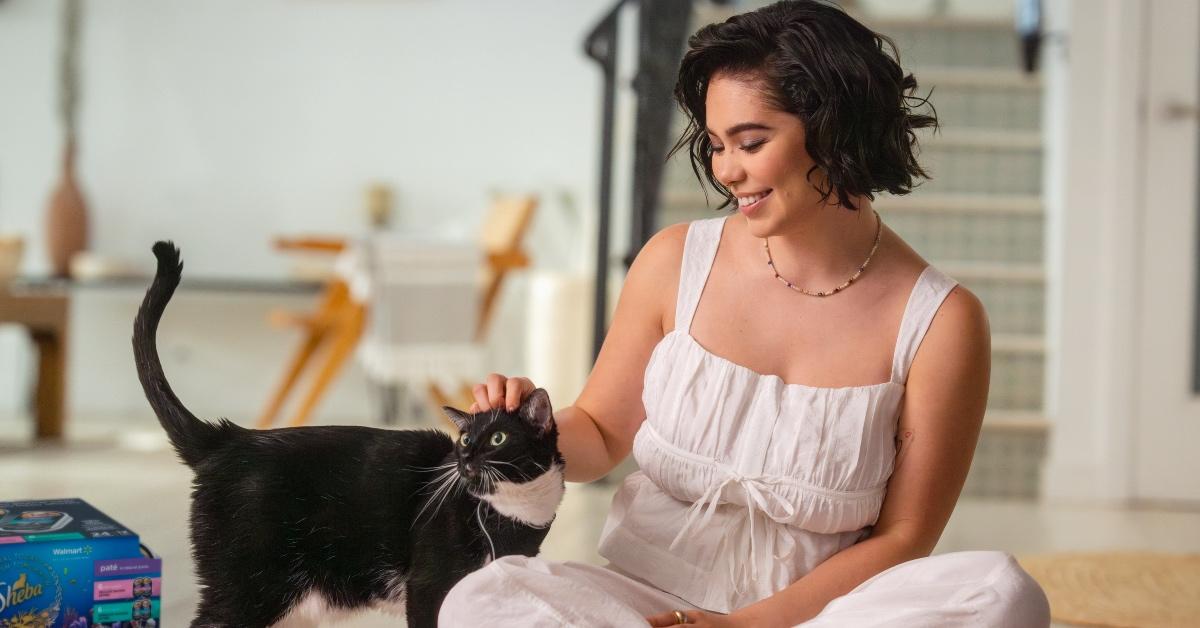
(499, 446)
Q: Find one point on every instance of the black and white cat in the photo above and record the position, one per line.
(299, 523)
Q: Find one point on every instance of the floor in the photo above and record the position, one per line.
(102, 462)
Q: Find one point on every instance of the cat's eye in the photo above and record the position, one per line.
(498, 439)
(464, 439)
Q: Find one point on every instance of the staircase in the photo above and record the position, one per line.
(980, 220)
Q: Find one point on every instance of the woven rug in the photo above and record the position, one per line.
(1120, 588)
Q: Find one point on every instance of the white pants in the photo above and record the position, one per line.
(957, 589)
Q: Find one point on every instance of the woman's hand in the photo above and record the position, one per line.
(700, 619)
(499, 391)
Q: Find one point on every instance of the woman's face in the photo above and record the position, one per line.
(759, 154)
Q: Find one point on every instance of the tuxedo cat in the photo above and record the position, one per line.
(296, 523)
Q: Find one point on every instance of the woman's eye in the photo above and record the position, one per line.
(498, 439)
(748, 147)
(464, 440)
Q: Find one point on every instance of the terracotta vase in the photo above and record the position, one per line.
(66, 218)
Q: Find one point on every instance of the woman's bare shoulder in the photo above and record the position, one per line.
(963, 320)
(665, 248)
(653, 279)
(660, 258)
(961, 305)
(961, 309)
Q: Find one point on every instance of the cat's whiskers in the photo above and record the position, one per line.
(439, 498)
(440, 479)
(486, 475)
(437, 468)
(445, 494)
(524, 475)
(483, 528)
(445, 483)
(496, 476)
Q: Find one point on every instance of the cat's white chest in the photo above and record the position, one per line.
(314, 609)
(532, 503)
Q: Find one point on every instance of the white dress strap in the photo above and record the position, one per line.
(927, 295)
(699, 251)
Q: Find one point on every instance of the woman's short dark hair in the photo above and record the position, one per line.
(820, 64)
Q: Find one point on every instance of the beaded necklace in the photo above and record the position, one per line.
(771, 263)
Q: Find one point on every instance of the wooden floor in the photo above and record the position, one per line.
(130, 473)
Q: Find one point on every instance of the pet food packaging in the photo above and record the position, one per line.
(63, 563)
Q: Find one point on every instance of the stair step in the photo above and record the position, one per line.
(952, 77)
(1018, 379)
(708, 12)
(1001, 139)
(962, 203)
(1013, 307)
(1015, 421)
(982, 98)
(926, 23)
(965, 271)
(1018, 343)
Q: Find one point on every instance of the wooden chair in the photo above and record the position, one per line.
(504, 229)
(335, 327)
(332, 330)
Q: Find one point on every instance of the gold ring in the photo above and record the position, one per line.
(680, 618)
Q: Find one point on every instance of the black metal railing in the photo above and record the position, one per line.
(662, 29)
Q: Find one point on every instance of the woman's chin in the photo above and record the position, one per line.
(759, 225)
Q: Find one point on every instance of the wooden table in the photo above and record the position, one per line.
(41, 304)
(43, 310)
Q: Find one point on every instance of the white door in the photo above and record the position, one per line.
(1167, 448)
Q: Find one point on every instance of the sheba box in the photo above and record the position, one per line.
(65, 563)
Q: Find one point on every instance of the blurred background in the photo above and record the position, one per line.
(379, 201)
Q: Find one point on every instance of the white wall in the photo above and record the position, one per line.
(1094, 133)
(221, 123)
(227, 121)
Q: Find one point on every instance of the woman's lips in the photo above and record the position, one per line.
(751, 208)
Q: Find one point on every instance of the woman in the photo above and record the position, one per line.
(801, 390)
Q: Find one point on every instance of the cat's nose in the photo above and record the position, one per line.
(470, 470)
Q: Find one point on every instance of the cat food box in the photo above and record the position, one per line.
(65, 563)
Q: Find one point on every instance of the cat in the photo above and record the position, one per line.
(296, 523)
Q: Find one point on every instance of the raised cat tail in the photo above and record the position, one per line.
(191, 437)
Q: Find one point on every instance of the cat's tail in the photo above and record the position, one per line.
(191, 437)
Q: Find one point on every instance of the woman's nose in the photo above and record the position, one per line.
(727, 170)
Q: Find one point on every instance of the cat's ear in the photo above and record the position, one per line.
(536, 411)
(460, 418)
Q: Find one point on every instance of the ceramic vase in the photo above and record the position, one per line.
(66, 218)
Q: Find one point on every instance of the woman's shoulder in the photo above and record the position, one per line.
(667, 245)
(664, 250)
(961, 305)
(960, 315)
(653, 279)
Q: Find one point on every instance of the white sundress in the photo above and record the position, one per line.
(747, 483)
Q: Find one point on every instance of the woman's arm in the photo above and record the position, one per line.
(596, 433)
(939, 424)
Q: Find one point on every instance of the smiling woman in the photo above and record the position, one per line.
(800, 447)
(853, 104)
